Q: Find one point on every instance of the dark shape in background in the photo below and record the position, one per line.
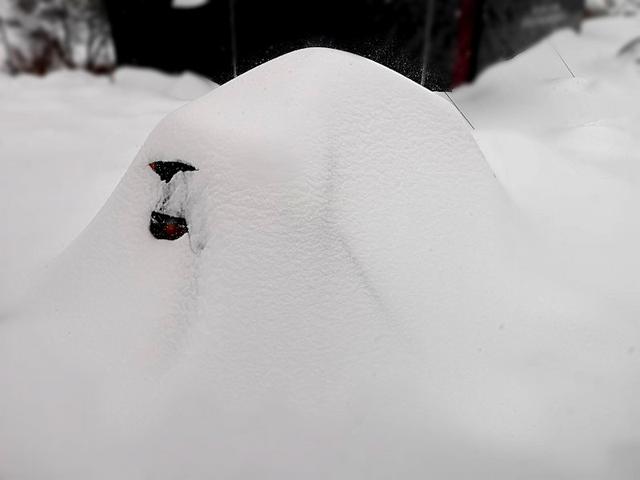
(509, 27)
(151, 33)
(389, 32)
(439, 43)
(38, 36)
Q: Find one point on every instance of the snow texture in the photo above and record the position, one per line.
(66, 141)
(358, 297)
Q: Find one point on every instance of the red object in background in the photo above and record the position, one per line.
(470, 12)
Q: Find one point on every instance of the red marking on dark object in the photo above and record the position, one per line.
(166, 227)
(166, 170)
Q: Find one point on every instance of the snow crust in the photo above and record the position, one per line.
(358, 297)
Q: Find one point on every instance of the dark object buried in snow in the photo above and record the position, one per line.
(167, 227)
(162, 225)
(166, 170)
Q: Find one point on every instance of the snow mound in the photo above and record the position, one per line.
(353, 300)
(67, 139)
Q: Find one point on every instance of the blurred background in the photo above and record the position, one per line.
(440, 44)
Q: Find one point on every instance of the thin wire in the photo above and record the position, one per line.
(562, 59)
(426, 45)
(232, 27)
(458, 108)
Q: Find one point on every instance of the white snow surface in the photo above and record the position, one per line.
(65, 141)
(361, 295)
(566, 150)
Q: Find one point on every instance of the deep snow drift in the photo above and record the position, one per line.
(566, 149)
(66, 141)
(358, 297)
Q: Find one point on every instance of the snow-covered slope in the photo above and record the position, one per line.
(357, 298)
(65, 141)
(566, 150)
